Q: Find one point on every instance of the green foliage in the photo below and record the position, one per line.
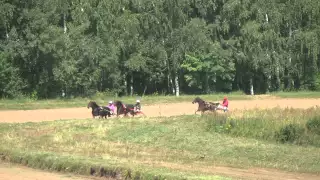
(143, 46)
(313, 125)
(284, 128)
(290, 133)
(11, 84)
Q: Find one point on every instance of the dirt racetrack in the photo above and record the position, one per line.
(151, 111)
(18, 172)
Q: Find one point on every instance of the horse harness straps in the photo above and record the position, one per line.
(125, 108)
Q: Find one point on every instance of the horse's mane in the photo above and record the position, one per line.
(117, 103)
(120, 103)
(92, 104)
(198, 99)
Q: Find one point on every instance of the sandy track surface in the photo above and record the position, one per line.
(151, 111)
(16, 172)
(19, 172)
(250, 174)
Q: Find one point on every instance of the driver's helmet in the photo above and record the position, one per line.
(110, 102)
(138, 101)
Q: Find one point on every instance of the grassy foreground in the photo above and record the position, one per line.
(171, 148)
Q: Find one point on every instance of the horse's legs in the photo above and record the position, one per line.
(118, 112)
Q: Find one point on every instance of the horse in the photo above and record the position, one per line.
(204, 106)
(125, 109)
(99, 111)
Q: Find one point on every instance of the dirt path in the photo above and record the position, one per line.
(150, 111)
(250, 174)
(18, 172)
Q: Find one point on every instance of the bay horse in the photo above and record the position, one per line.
(125, 109)
(204, 106)
(98, 110)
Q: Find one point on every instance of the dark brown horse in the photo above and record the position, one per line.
(126, 108)
(98, 110)
(204, 106)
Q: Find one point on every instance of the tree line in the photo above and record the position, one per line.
(157, 46)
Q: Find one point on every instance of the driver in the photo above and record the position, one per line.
(111, 107)
(224, 105)
(137, 106)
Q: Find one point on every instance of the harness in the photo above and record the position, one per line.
(125, 108)
(210, 105)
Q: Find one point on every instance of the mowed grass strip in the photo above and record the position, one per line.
(175, 147)
(297, 94)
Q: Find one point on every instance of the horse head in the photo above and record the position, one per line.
(118, 104)
(92, 104)
(197, 100)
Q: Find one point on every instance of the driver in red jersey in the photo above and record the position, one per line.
(225, 104)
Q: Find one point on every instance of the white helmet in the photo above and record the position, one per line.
(110, 102)
(138, 101)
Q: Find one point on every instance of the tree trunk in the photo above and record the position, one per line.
(170, 84)
(267, 18)
(251, 87)
(125, 84)
(7, 34)
(64, 23)
(289, 83)
(176, 80)
(131, 85)
(206, 83)
(278, 81)
(269, 82)
(173, 91)
(144, 90)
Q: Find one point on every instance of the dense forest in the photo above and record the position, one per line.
(141, 47)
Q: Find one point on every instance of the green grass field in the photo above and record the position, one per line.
(102, 99)
(297, 94)
(171, 148)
